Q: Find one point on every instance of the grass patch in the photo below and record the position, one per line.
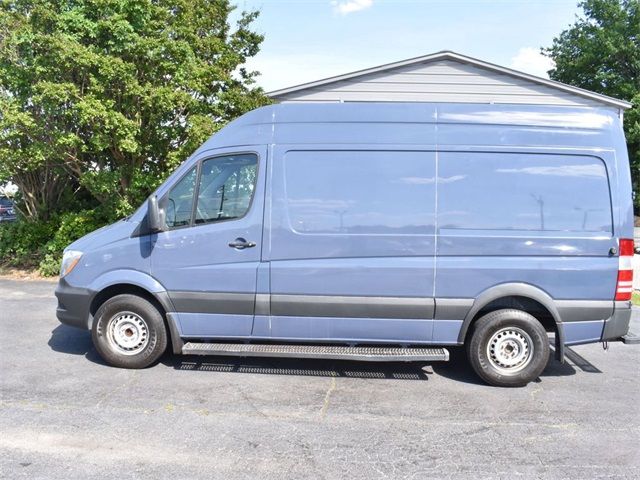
(16, 273)
(635, 298)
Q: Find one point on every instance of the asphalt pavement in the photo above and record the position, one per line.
(64, 414)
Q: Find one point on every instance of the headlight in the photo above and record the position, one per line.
(70, 259)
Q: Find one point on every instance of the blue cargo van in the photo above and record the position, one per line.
(380, 232)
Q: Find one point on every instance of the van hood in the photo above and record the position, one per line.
(104, 236)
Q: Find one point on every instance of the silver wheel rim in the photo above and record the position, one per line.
(510, 350)
(127, 333)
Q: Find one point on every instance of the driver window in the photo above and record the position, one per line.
(226, 187)
(180, 201)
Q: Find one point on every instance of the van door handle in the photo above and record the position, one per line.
(240, 244)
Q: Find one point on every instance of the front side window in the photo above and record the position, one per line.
(226, 187)
(180, 201)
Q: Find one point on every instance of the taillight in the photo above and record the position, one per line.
(624, 287)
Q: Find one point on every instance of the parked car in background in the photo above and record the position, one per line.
(7, 210)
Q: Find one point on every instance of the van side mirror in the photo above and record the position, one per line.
(155, 215)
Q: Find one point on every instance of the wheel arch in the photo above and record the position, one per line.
(504, 296)
(149, 291)
(159, 299)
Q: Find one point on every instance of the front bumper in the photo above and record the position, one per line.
(73, 305)
(617, 325)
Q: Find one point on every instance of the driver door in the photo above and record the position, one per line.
(208, 256)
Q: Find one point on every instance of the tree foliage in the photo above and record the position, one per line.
(601, 52)
(100, 99)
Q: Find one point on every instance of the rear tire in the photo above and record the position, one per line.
(508, 348)
(129, 332)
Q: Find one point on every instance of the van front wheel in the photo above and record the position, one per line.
(129, 332)
(508, 348)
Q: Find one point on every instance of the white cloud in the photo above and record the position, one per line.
(344, 7)
(530, 60)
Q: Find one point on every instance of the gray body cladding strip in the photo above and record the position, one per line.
(452, 308)
(303, 305)
(209, 302)
(581, 310)
(360, 306)
(351, 306)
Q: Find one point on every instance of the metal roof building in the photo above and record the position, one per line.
(445, 77)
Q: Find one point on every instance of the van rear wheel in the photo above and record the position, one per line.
(129, 332)
(508, 348)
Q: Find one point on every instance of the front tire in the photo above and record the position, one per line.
(508, 348)
(129, 332)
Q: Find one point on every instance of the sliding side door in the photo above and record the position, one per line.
(352, 245)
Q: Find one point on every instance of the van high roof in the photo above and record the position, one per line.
(416, 123)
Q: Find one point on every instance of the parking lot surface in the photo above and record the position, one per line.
(65, 414)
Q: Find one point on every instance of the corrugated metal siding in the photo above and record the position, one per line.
(441, 81)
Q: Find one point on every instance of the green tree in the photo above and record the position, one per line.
(103, 98)
(601, 52)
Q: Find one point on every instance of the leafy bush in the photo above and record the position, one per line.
(72, 226)
(40, 244)
(22, 242)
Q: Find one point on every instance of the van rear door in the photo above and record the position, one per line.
(541, 219)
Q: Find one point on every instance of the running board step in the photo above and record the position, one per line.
(364, 354)
(631, 338)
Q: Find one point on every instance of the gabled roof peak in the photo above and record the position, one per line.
(457, 57)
